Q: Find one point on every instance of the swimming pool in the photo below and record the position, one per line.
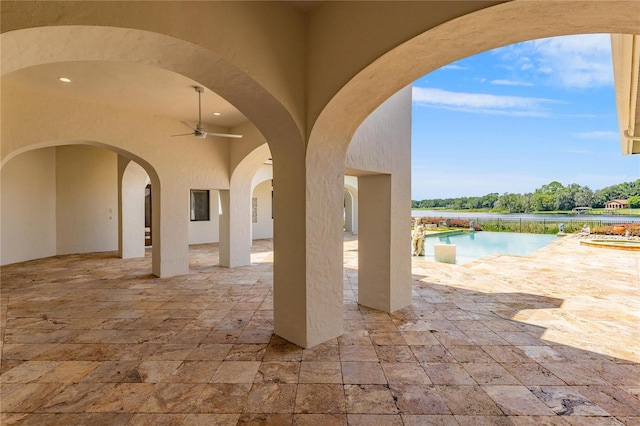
(474, 245)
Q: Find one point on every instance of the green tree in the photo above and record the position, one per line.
(584, 197)
(634, 201)
(541, 202)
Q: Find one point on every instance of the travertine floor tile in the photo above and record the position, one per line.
(236, 372)
(320, 398)
(405, 373)
(192, 372)
(363, 373)
(369, 399)
(271, 398)
(483, 420)
(468, 400)
(29, 371)
(419, 420)
(265, 419)
(375, 420)
(531, 373)
(395, 353)
(222, 398)
(503, 341)
(320, 372)
(447, 373)
(123, 397)
(278, 372)
(358, 353)
(418, 399)
(173, 398)
(489, 373)
(517, 401)
(76, 398)
(320, 419)
(566, 401)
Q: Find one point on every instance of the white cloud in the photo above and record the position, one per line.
(575, 150)
(454, 67)
(580, 61)
(598, 135)
(510, 83)
(481, 103)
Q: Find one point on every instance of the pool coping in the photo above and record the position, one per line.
(612, 244)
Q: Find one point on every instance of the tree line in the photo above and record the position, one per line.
(550, 197)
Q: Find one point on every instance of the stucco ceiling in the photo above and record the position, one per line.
(130, 86)
(137, 87)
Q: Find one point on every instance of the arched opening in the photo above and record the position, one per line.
(82, 196)
(332, 134)
(134, 212)
(262, 203)
(148, 214)
(351, 204)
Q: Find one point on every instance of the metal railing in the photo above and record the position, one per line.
(533, 226)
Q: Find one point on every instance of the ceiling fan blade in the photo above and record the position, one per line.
(189, 126)
(184, 134)
(224, 135)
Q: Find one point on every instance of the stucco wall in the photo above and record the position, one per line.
(28, 224)
(87, 199)
(264, 227)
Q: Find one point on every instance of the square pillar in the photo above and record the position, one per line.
(384, 255)
(235, 227)
(308, 244)
(170, 229)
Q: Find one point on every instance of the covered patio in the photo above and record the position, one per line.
(548, 339)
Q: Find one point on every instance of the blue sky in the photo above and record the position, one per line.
(518, 117)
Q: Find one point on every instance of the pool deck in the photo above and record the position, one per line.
(547, 339)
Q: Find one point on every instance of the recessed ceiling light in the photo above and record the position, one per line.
(216, 113)
(64, 79)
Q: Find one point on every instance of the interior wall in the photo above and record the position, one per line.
(28, 221)
(263, 228)
(207, 231)
(87, 199)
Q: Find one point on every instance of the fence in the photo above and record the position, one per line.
(532, 226)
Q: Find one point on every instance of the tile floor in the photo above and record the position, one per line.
(550, 339)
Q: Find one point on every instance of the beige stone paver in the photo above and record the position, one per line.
(547, 339)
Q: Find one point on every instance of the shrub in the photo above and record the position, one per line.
(451, 223)
(633, 228)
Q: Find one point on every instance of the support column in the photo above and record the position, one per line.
(235, 226)
(308, 241)
(384, 240)
(170, 229)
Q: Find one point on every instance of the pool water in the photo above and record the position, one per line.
(474, 245)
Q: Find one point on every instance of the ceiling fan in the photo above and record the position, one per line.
(198, 130)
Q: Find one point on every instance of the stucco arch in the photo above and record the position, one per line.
(394, 63)
(127, 157)
(151, 172)
(499, 25)
(28, 47)
(235, 223)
